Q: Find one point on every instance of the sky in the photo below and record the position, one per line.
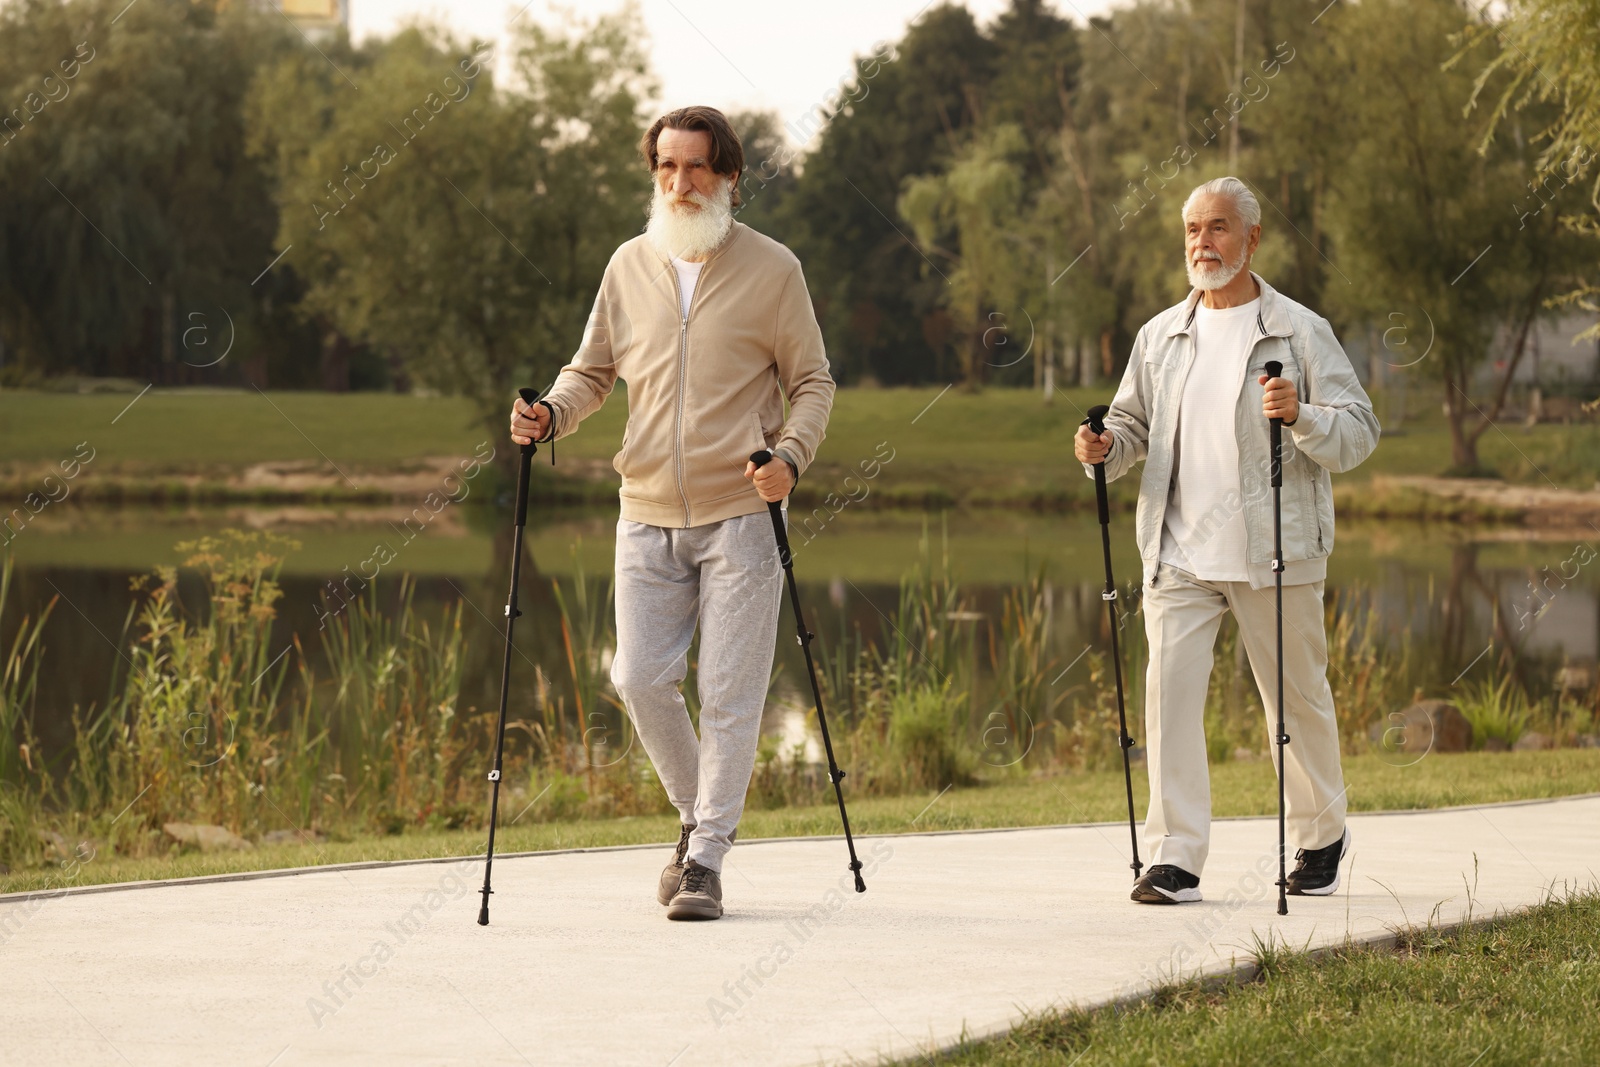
(785, 57)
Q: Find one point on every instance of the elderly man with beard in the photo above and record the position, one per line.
(1195, 404)
(710, 325)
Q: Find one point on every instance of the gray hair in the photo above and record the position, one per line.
(1244, 201)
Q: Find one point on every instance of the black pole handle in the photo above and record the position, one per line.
(1096, 423)
(775, 509)
(1275, 370)
(529, 397)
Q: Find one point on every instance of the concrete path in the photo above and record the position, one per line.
(960, 931)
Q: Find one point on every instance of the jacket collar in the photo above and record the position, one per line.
(1272, 319)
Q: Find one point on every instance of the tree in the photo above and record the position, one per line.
(1037, 53)
(1039, 56)
(879, 308)
(769, 176)
(461, 224)
(130, 204)
(1157, 105)
(963, 215)
(1421, 219)
(1549, 58)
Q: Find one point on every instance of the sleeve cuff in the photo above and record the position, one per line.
(794, 467)
(1310, 420)
(555, 422)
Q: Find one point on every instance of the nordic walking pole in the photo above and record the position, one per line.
(1275, 369)
(525, 461)
(1096, 423)
(775, 509)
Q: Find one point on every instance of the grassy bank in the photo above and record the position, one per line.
(998, 448)
(1510, 993)
(1238, 788)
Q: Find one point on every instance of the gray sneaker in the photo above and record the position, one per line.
(699, 894)
(673, 872)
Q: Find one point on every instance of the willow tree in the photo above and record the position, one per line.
(1549, 64)
(1425, 224)
(965, 218)
(129, 201)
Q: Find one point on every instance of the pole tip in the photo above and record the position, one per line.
(861, 886)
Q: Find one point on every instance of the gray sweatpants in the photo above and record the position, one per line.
(725, 577)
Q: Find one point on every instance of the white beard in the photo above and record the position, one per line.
(1215, 277)
(686, 233)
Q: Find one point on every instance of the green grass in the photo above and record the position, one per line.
(1238, 788)
(180, 430)
(1517, 991)
(1000, 447)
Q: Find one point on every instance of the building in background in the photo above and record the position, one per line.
(317, 18)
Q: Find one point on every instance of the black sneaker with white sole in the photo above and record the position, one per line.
(1166, 884)
(1316, 870)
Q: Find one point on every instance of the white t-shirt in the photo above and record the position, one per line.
(1204, 531)
(688, 274)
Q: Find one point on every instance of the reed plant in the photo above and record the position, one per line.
(193, 730)
(1024, 702)
(1499, 711)
(398, 750)
(20, 794)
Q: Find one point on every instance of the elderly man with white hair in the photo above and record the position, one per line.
(1195, 404)
(710, 326)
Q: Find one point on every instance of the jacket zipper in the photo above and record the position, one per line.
(1316, 514)
(683, 369)
(1249, 355)
(677, 421)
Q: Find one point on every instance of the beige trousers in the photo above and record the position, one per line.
(1181, 616)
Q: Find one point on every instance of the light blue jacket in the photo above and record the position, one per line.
(1334, 431)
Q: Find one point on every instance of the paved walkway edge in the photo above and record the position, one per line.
(361, 865)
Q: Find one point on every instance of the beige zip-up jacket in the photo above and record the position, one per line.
(705, 389)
